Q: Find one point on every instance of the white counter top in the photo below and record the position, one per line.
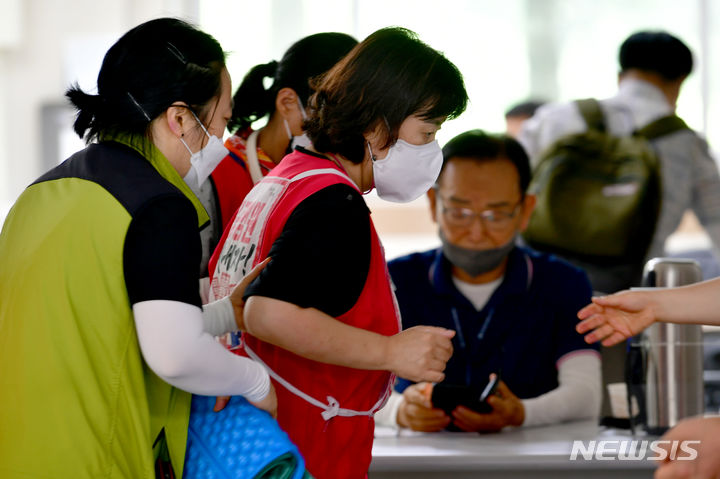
(513, 453)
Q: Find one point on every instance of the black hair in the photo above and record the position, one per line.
(155, 64)
(524, 109)
(307, 58)
(658, 52)
(386, 78)
(481, 146)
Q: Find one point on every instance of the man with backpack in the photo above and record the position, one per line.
(634, 197)
(610, 213)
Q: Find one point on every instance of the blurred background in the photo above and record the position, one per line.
(509, 51)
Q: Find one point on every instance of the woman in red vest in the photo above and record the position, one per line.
(322, 316)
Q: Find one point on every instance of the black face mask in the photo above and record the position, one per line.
(476, 262)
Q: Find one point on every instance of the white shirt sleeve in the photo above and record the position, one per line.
(219, 317)
(178, 349)
(577, 396)
(549, 123)
(387, 416)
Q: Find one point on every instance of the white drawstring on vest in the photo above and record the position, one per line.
(332, 408)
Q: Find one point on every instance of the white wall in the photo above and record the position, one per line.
(46, 44)
(33, 68)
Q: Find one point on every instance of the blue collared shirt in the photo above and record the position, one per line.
(527, 325)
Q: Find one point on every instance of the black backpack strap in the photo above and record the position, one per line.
(663, 126)
(591, 113)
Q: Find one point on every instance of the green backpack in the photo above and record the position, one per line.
(598, 196)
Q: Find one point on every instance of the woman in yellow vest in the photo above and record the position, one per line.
(101, 324)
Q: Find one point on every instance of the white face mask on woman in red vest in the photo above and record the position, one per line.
(408, 170)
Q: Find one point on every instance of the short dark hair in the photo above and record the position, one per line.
(153, 65)
(386, 78)
(481, 146)
(524, 109)
(658, 52)
(306, 59)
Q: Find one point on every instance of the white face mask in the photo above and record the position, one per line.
(204, 161)
(301, 140)
(407, 172)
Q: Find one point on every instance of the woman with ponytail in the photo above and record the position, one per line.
(283, 103)
(102, 332)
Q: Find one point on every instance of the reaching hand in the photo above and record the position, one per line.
(420, 353)
(416, 411)
(705, 436)
(236, 297)
(617, 317)
(268, 404)
(221, 402)
(508, 410)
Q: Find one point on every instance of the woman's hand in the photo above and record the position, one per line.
(699, 437)
(236, 297)
(221, 402)
(268, 404)
(417, 354)
(617, 317)
(420, 353)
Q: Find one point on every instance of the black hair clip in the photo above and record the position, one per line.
(176, 53)
(142, 110)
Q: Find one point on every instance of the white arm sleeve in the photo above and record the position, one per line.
(219, 317)
(387, 416)
(177, 349)
(577, 396)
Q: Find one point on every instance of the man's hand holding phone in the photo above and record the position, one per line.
(416, 411)
(429, 408)
(507, 410)
(449, 396)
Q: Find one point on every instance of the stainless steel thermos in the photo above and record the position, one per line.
(673, 354)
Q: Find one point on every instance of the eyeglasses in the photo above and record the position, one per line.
(492, 219)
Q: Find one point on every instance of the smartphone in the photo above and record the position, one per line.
(449, 396)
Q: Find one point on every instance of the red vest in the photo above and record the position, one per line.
(231, 177)
(341, 446)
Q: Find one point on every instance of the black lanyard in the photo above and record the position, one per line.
(461, 338)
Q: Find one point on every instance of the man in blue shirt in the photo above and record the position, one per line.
(514, 309)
